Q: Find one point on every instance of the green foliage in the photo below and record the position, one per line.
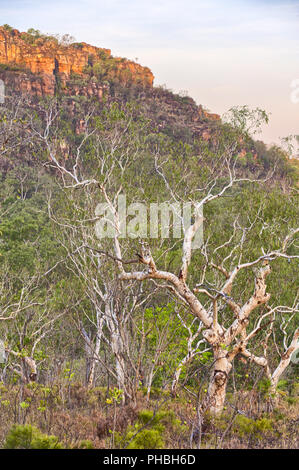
(34, 32)
(295, 389)
(30, 437)
(146, 439)
(86, 444)
(282, 385)
(115, 396)
(13, 67)
(152, 133)
(245, 426)
(24, 405)
(264, 386)
(34, 36)
(149, 430)
(247, 121)
(77, 45)
(7, 27)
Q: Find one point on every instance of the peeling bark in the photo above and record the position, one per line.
(216, 393)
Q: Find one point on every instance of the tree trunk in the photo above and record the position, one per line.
(284, 362)
(216, 394)
(30, 369)
(149, 383)
(92, 360)
(178, 372)
(118, 350)
(120, 366)
(92, 349)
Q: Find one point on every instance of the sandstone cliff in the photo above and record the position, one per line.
(45, 59)
(39, 65)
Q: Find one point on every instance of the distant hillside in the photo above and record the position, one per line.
(38, 65)
(49, 58)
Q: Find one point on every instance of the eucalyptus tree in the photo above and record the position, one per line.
(228, 338)
(94, 167)
(113, 156)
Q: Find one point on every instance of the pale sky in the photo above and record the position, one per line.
(222, 52)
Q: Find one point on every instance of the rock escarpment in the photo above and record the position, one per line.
(35, 63)
(38, 65)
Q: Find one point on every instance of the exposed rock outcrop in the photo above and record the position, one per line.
(39, 60)
(39, 65)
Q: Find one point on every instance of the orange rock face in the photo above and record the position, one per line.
(45, 56)
(211, 116)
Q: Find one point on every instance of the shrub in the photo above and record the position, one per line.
(86, 444)
(136, 437)
(30, 437)
(13, 67)
(146, 439)
(246, 426)
(7, 27)
(77, 45)
(264, 386)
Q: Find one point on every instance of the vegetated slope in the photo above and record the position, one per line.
(152, 122)
(40, 66)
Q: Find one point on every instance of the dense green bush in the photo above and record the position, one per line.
(150, 430)
(246, 426)
(30, 437)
